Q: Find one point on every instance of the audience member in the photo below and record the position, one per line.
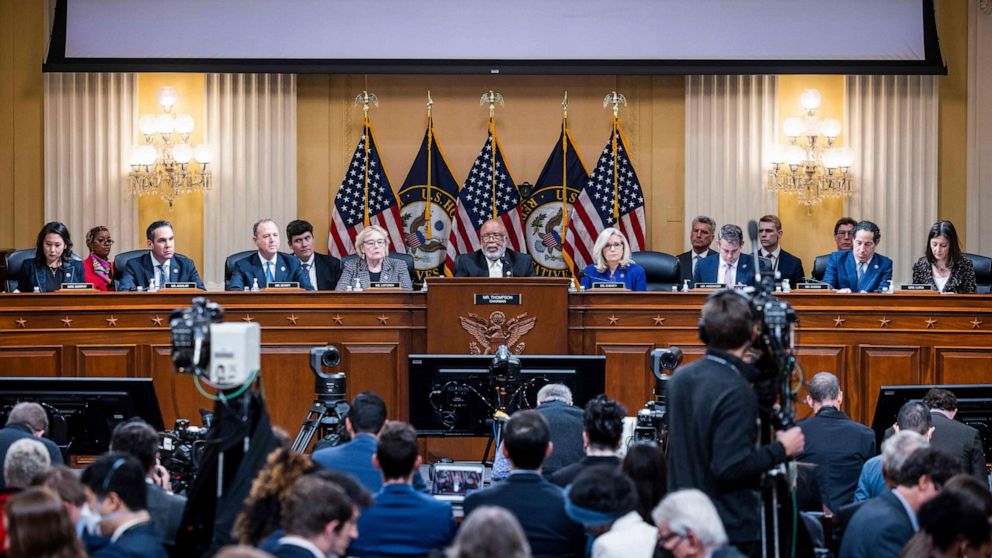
(63, 482)
(116, 490)
(970, 493)
(27, 420)
(26, 458)
(604, 501)
(689, 526)
(319, 520)
(950, 526)
(490, 532)
(914, 417)
(645, 465)
(885, 524)
(955, 438)
(700, 238)
(837, 445)
(139, 439)
(38, 527)
(262, 512)
(602, 432)
(972, 490)
(402, 521)
(527, 495)
(241, 551)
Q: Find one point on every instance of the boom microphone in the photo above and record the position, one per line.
(752, 233)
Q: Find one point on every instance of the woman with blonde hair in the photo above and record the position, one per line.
(612, 263)
(373, 264)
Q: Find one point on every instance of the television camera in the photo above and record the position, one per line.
(650, 425)
(330, 406)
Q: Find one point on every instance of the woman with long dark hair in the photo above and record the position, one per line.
(98, 267)
(943, 266)
(53, 263)
(38, 526)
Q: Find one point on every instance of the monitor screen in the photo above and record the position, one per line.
(974, 408)
(455, 395)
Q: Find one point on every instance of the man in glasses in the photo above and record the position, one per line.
(268, 265)
(844, 233)
(494, 259)
(161, 264)
(688, 525)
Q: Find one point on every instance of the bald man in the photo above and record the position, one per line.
(494, 259)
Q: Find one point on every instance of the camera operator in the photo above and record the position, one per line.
(713, 422)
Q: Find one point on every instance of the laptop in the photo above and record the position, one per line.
(452, 483)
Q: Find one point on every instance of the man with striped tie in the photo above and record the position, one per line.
(161, 264)
(860, 270)
(268, 265)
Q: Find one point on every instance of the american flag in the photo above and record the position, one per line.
(366, 169)
(475, 203)
(613, 181)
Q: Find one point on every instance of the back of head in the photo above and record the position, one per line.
(30, 414)
(897, 449)
(137, 438)
(262, 512)
(930, 462)
(691, 510)
(603, 422)
(62, 481)
(940, 399)
(121, 474)
(311, 504)
(603, 490)
(526, 438)
(241, 551)
(554, 392)
(950, 520)
(352, 488)
(368, 413)
(645, 465)
(914, 416)
(824, 386)
(37, 525)
(490, 532)
(26, 459)
(397, 450)
(727, 320)
(973, 491)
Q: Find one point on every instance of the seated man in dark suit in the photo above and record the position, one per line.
(494, 259)
(318, 518)
(322, 270)
(161, 264)
(860, 270)
(883, 525)
(955, 438)
(115, 485)
(729, 266)
(602, 423)
(364, 421)
(537, 504)
(26, 420)
(837, 445)
(701, 237)
(268, 264)
(402, 521)
(137, 438)
(770, 234)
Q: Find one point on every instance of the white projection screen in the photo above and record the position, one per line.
(509, 36)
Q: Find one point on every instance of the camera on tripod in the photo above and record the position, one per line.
(224, 355)
(650, 424)
(330, 407)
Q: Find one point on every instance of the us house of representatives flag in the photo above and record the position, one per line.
(546, 211)
(612, 197)
(428, 197)
(364, 198)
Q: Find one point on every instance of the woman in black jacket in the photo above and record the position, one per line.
(53, 263)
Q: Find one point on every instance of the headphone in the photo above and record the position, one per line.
(703, 336)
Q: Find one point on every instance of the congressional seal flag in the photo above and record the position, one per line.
(488, 193)
(365, 196)
(612, 197)
(428, 198)
(546, 211)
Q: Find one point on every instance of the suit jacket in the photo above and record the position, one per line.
(14, 432)
(708, 268)
(961, 441)
(32, 275)
(475, 265)
(328, 271)
(839, 447)
(842, 273)
(89, 273)
(633, 276)
(962, 279)
(140, 541)
(287, 268)
(539, 506)
(403, 522)
(879, 529)
(355, 458)
(139, 272)
(790, 267)
(685, 265)
(566, 434)
(393, 271)
(566, 475)
(291, 551)
(166, 511)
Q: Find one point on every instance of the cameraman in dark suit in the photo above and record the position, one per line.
(713, 414)
(323, 270)
(955, 438)
(494, 259)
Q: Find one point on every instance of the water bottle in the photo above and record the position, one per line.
(254, 284)
(357, 287)
(675, 288)
(786, 286)
(685, 286)
(423, 286)
(37, 289)
(571, 286)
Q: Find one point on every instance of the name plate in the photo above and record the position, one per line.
(180, 285)
(384, 285)
(608, 285)
(497, 299)
(710, 285)
(77, 286)
(283, 285)
(915, 287)
(813, 286)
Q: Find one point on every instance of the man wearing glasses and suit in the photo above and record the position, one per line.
(494, 259)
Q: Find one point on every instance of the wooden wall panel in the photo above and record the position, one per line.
(815, 359)
(176, 393)
(107, 361)
(882, 366)
(288, 383)
(38, 360)
(377, 367)
(962, 365)
(627, 371)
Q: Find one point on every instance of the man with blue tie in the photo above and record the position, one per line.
(860, 270)
(268, 265)
(161, 264)
(729, 266)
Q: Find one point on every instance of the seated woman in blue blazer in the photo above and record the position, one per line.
(373, 265)
(52, 264)
(611, 255)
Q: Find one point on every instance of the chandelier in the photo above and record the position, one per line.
(810, 167)
(164, 164)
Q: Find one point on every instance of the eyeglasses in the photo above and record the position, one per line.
(377, 242)
(613, 245)
(492, 236)
(845, 234)
(105, 241)
(663, 540)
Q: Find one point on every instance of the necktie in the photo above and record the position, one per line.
(161, 274)
(861, 272)
(695, 261)
(772, 259)
(306, 268)
(726, 275)
(268, 272)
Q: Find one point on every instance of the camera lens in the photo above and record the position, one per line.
(331, 357)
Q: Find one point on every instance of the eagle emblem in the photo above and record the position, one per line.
(489, 334)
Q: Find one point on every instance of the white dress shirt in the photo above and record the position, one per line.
(696, 256)
(629, 537)
(495, 267)
(312, 270)
(727, 273)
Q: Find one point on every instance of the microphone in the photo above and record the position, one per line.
(752, 233)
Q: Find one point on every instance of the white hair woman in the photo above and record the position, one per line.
(612, 263)
(373, 264)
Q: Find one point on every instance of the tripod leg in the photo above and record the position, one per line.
(308, 428)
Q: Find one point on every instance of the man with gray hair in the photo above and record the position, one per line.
(26, 458)
(837, 445)
(700, 237)
(729, 267)
(878, 471)
(689, 525)
(27, 420)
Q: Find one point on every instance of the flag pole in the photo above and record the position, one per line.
(615, 99)
(366, 99)
(430, 142)
(492, 98)
(564, 166)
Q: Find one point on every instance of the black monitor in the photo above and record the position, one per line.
(82, 412)
(452, 395)
(974, 408)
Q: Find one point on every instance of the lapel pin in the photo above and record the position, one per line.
(876, 266)
(282, 268)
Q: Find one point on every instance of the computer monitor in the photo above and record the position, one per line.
(974, 407)
(452, 395)
(82, 412)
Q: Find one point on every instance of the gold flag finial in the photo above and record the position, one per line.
(366, 99)
(615, 99)
(492, 98)
(430, 103)
(564, 104)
